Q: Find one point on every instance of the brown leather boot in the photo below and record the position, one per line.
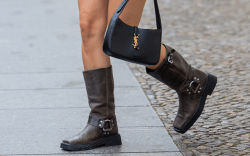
(191, 85)
(101, 128)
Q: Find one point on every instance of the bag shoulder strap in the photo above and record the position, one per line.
(157, 12)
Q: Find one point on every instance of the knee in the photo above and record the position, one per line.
(87, 29)
(92, 29)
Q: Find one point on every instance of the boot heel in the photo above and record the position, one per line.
(211, 82)
(113, 140)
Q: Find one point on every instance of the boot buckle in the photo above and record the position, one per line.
(170, 59)
(110, 124)
(198, 87)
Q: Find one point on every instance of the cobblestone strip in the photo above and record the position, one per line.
(212, 36)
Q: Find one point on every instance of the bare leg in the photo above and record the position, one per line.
(94, 18)
(132, 16)
(93, 23)
(98, 77)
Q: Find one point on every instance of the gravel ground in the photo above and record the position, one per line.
(213, 36)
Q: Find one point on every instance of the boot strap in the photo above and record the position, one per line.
(105, 124)
(195, 86)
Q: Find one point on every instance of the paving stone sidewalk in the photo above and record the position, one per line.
(43, 96)
(213, 36)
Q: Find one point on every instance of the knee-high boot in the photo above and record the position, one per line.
(191, 85)
(101, 128)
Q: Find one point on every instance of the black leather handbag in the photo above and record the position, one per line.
(133, 44)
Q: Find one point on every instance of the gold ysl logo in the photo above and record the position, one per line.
(136, 41)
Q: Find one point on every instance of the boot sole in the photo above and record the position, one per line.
(208, 90)
(107, 141)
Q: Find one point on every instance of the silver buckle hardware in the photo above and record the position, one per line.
(110, 124)
(170, 60)
(170, 57)
(191, 89)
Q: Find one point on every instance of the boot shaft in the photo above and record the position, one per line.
(175, 71)
(100, 89)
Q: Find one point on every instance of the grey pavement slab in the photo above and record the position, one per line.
(42, 91)
(47, 141)
(59, 80)
(124, 154)
(67, 63)
(46, 77)
(56, 64)
(41, 65)
(73, 98)
(75, 118)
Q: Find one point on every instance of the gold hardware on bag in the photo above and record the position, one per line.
(136, 41)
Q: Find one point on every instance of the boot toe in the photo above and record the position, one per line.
(66, 141)
(73, 141)
(179, 122)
